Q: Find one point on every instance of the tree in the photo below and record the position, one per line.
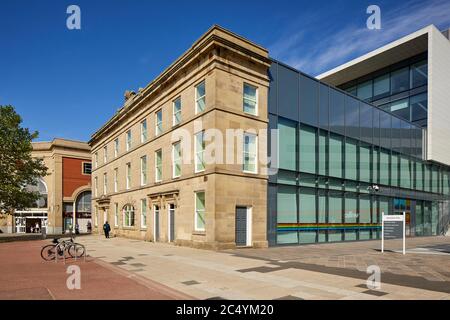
(17, 168)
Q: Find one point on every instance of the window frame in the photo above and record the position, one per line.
(83, 168)
(158, 173)
(197, 98)
(256, 99)
(126, 209)
(143, 213)
(128, 140)
(116, 179)
(128, 175)
(116, 147)
(158, 124)
(174, 113)
(105, 183)
(105, 154)
(176, 160)
(116, 214)
(144, 131)
(244, 153)
(196, 211)
(144, 178)
(202, 133)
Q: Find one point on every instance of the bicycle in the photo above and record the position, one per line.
(59, 248)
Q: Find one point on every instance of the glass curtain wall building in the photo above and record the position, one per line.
(400, 89)
(332, 150)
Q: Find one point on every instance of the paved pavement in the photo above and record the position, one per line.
(327, 271)
(24, 275)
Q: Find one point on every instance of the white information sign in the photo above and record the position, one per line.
(393, 227)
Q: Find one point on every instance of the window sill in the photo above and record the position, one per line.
(199, 233)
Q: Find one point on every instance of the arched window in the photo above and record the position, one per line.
(128, 216)
(83, 202)
(41, 188)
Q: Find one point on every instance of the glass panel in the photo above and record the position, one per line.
(337, 111)
(351, 159)
(381, 86)
(351, 211)
(419, 107)
(323, 153)
(200, 210)
(427, 178)
(364, 163)
(427, 219)
(419, 74)
(384, 167)
(335, 164)
(434, 218)
(405, 173)
(335, 208)
(419, 176)
(400, 80)
(419, 219)
(385, 129)
(322, 202)
(307, 149)
(366, 122)
(375, 165)
(394, 169)
(384, 206)
(401, 108)
(287, 143)
(287, 204)
(307, 200)
(323, 106)
(250, 99)
(352, 117)
(365, 90)
(308, 99)
(364, 210)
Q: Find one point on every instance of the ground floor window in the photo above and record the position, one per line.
(200, 211)
(128, 216)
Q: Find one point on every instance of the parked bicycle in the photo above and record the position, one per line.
(60, 247)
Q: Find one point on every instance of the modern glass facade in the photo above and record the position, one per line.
(400, 89)
(332, 149)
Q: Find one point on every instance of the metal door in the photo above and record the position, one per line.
(171, 222)
(241, 226)
(156, 231)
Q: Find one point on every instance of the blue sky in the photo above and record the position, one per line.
(67, 83)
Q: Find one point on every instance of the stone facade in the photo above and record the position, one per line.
(224, 62)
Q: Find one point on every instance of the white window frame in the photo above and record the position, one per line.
(197, 98)
(158, 178)
(255, 136)
(96, 160)
(96, 217)
(174, 116)
(176, 160)
(116, 214)
(116, 147)
(143, 170)
(128, 175)
(105, 154)
(143, 213)
(255, 101)
(196, 211)
(105, 183)
(158, 124)
(96, 186)
(126, 209)
(144, 131)
(116, 179)
(202, 152)
(128, 140)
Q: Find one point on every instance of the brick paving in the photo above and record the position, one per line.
(25, 276)
(426, 264)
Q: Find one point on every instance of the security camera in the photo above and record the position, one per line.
(376, 188)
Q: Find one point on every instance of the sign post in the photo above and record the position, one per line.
(393, 227)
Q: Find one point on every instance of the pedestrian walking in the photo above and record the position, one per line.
(106, 229)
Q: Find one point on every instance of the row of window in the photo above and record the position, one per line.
(250, 153)
(129, 214)
(413, 109)
(306, 149)
(250, 106)
(391, 83)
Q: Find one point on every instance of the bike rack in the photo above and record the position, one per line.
(64, 253)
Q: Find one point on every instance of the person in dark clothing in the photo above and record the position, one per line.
(106, 229)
